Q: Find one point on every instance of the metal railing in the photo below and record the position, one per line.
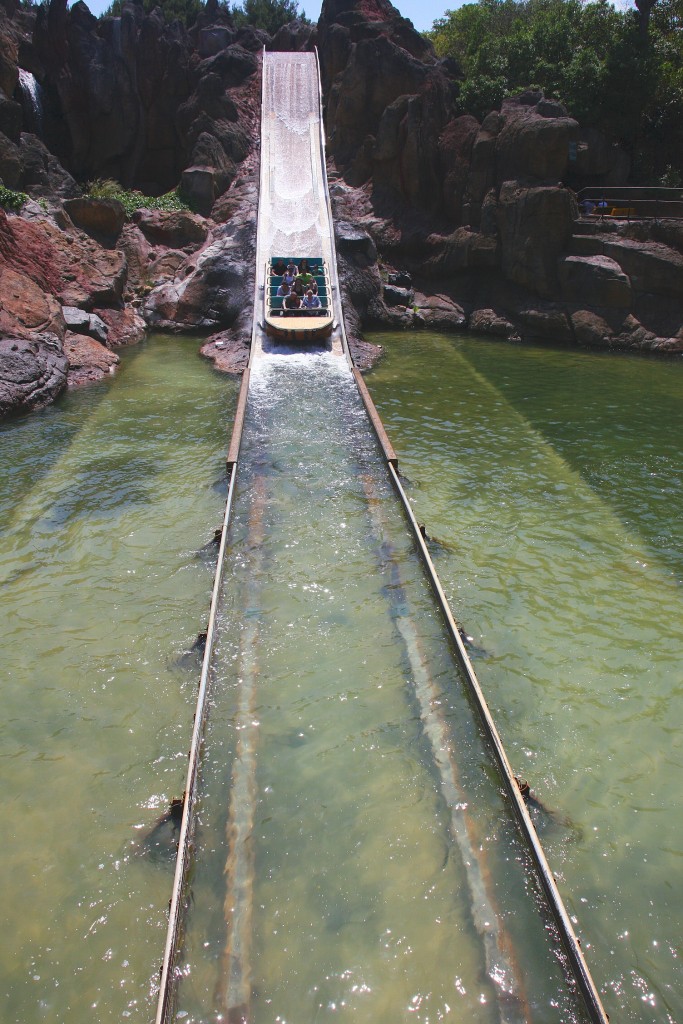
(636, 203)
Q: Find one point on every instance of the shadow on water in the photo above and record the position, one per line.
(546, 820)
(160, 843)
(191, 659)
(92, 492)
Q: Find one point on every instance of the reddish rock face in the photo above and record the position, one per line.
(25, 247)
(25, 309)
(125, 326)
(88, 359)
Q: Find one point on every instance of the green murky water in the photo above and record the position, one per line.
(379, 877)
(552, 482)
(105, 500)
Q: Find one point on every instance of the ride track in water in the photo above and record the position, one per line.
(294, 218)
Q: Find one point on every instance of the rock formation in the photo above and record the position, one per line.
(479, 215)
(441, 221)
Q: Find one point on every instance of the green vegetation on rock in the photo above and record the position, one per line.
(132, 200)
(620, 71)
(10, 200)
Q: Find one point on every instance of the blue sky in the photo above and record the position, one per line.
(422, 13)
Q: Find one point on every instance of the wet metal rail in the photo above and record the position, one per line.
(236, 988)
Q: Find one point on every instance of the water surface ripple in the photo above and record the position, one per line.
(551, 482)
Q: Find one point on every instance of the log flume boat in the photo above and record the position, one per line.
(298, 324)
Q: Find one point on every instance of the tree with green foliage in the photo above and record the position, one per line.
(596, 59)
(185, 11)
(269, 15)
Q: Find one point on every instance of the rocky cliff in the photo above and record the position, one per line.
(441, 221)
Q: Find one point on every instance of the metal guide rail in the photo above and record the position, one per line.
(180, 895)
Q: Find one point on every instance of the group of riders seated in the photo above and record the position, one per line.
(298, 287)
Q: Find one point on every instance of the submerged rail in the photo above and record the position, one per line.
(235, 979)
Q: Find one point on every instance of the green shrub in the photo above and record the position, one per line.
(133, 200)
(10, 200)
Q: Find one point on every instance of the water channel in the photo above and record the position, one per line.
(551, 482)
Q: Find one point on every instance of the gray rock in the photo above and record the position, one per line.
(550, 108)
(198, 188)
(80, 322)
(355, 242)
(394, 296)
(594, 280)
(487, 321)
(401, 279)
(32, 373)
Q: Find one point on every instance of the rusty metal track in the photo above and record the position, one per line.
(575, 959)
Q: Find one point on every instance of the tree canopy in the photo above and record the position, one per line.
(268, 15)
(619, 71)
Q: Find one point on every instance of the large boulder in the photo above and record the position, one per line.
(89, 361)
(102, 219)
(97, 279)
(535, 226)
(124, 326)
(594, 280)
(492, 323)
(177, 229)
(439, 312)
(26, 309)
(214, 286)
(531, 144)
(651, 266)
(33, 372)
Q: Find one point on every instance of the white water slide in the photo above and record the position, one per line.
(294, 210)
